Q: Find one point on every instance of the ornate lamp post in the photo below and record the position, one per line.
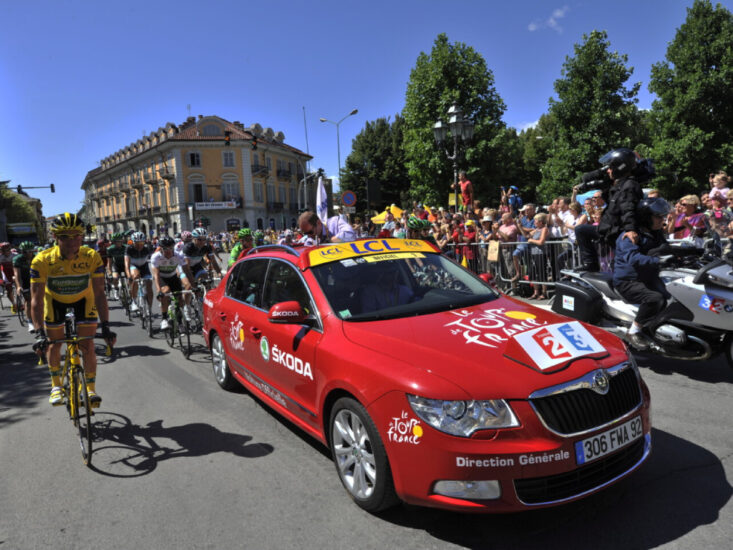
(460, 129)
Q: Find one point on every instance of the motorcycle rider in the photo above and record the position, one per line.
(636, 268)
(621, 198)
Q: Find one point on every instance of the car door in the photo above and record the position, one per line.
(236, 313)
(287, 351)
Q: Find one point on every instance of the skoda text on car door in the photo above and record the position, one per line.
(425, 383)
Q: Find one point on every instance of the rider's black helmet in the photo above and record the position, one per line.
(166, 242)
(621, 161)
(651, 207)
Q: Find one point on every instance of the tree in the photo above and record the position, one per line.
(594, 112)
(452, 73)
(377, 158)
(692, 121)
(535, 143)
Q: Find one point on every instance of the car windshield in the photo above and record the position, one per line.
(390, 286)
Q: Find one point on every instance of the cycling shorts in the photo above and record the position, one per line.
(85, 311)
(143, 269)
(174, 283)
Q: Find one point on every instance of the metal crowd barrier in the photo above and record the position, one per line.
(520, 265)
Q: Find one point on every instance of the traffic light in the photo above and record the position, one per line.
(254, 143)
(227, 138)
(20, 189)
(53, 188)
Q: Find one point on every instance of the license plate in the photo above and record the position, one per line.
(609, 441)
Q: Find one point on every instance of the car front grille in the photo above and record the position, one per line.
(582, 409)
(542, 490)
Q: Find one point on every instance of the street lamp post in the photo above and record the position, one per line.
(338, 139)
(460, 129)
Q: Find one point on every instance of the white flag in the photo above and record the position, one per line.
(321, 202)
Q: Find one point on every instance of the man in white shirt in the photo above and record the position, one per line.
(336, 229)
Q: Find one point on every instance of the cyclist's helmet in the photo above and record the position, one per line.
(68, 223)
(414, 222)
(259, 237)
(186, 235)
(26, 246)
(4, 245)
(651, 207)
(621, 161)
(243, 233)
(138, 237)
(199, 233)
(118, 237)
(166, 242)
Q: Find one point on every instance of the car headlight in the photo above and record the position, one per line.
(462, 418)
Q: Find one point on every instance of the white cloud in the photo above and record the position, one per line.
(528, 125)
(551, 22)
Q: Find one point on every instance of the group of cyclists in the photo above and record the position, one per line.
(67, 275)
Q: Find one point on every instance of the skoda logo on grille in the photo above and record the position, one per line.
(600, 382)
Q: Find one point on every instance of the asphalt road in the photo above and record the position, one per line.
(179, 463)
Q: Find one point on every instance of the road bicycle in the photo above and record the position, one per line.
(123, 293)
(74, 387)
(20, 309)
(144, 310)
(179, 328)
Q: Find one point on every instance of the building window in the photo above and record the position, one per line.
(194, 159)
(258, 191)
(293, 200)
(228, 159)
(268, 163)
(270, 193)
(260, 224)
(229, 188)
(211, 130)
(281, 194)
(255, 161)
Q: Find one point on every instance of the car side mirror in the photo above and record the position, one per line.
(287, 313)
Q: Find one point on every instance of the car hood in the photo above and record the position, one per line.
(502, 348)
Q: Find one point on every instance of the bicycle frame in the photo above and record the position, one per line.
(176, 318)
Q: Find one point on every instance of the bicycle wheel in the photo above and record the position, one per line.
(170, 333)
(2, 293)
(184, 337)
(149, 314)
(142, 304)
(83, 416)
(20, 309)
(125, 298)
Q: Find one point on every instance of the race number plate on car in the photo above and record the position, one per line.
(609, 441)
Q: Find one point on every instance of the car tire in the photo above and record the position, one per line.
(360, 458)
(728, 346)
(220, 365)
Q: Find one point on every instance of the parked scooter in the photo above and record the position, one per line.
(696, 324)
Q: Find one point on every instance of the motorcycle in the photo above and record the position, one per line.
(697, 322)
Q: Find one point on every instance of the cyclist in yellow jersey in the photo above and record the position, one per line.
(65, 276)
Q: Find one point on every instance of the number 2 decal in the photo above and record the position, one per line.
(550, 345)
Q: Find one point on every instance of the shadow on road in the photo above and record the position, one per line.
(123, 449)
(23, 383)
(681, 487)
(714, 370)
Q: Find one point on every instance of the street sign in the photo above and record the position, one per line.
(349, 209)
(348, 198)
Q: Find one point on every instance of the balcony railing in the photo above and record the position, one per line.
(151, 178)
(284, 174)
(260, 170)
(275, 206)
(166, 174)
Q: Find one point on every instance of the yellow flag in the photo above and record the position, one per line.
(464, 262)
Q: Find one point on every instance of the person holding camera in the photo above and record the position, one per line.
(622, 192)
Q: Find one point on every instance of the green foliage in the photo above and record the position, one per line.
(452, 73)
(535, 144)
(692, 121)
(594, 112)
(17, 210)
(377, 156)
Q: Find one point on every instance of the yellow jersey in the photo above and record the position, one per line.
(67, 281)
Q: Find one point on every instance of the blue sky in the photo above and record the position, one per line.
(79, 79)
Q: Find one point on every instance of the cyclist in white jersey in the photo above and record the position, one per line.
(170, 274)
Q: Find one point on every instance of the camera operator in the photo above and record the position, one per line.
(619, 180)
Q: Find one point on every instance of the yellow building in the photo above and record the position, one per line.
(205, 168)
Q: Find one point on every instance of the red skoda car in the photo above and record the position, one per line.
(426, 384)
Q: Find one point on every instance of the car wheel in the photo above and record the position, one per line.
(728, 346)
(359, 456)
(220, 366)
